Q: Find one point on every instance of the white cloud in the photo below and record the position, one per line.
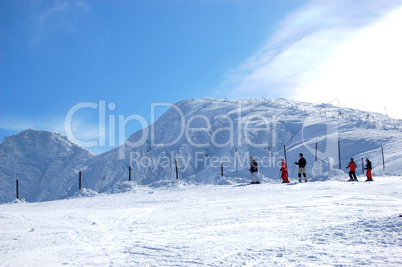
(330, 49)
(365, 71)
(48, 18)
(15, 123)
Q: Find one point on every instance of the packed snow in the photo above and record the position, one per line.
(327, 223)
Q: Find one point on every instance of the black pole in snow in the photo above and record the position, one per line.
(79, 180)
(236, 160)
(362, 165)
(177, 171)
(315, 151)
(17, 189)
(339, 154)
(383, 161)
(221, 169)
(129, 173)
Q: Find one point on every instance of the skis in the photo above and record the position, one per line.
(347, 181)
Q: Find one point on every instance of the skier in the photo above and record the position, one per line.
(352, 170)
(254, 171)
(302, 164)
(284, 170)
(368, 172)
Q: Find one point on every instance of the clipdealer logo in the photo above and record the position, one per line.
(197, 130)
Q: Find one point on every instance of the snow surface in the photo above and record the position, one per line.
(47, 164)
(326, 223)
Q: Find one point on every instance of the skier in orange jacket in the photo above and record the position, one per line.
(284, 170)
(352, 170)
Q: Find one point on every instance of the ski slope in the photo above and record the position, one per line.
(320, 223)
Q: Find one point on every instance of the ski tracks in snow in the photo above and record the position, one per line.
(320, 223)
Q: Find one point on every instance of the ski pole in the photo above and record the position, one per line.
(279, 176)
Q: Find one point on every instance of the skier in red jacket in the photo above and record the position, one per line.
(352, 170)
(368, 172)
(284, 170)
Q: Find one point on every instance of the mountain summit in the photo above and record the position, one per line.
(200, 136)
(43, 161)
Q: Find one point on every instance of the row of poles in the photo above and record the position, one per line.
(177, 168)
(129, 175)
(339, 155)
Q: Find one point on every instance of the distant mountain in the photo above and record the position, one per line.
(43, 161)
(202, 134)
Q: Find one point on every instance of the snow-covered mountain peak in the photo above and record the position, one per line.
(202, 135)
(40, 140)
(42, 161)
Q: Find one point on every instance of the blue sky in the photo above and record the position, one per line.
(55, 55)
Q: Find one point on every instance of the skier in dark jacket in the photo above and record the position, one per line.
(352, 170)
(368, 171)
(302, 164)
(254, 171)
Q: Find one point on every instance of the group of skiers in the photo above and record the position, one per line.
(352, 170)
(302, 171)
(302, 164)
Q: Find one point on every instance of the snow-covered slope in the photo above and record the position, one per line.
(202, 134)
(44, 163)
(315, 224)
(214, 129)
